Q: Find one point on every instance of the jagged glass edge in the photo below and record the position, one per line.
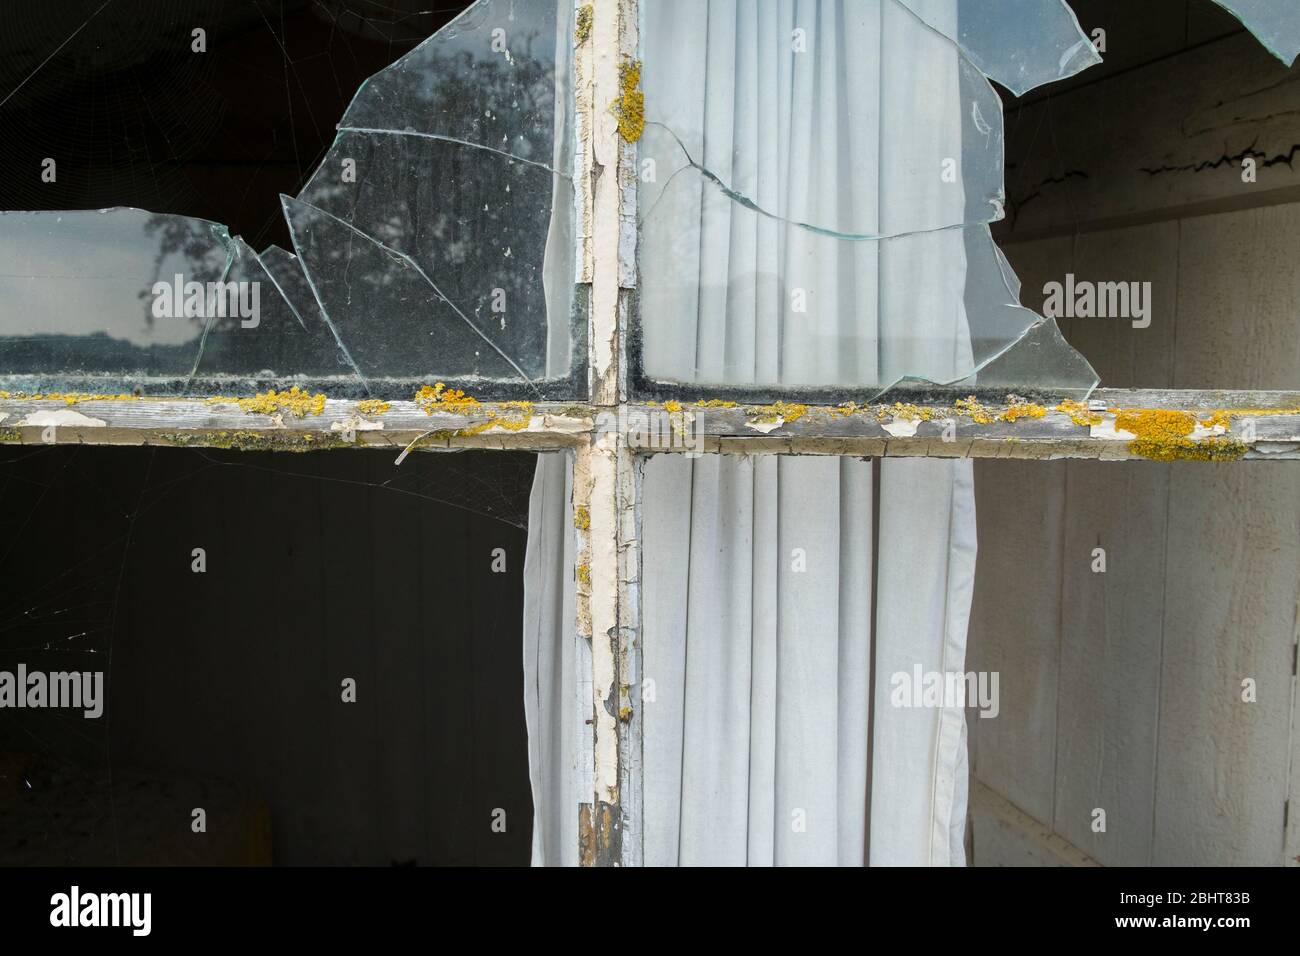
(1268, 26)
(230, 240)
(1075, 58)
(1011, 280)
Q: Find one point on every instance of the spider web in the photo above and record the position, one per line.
(80, 529)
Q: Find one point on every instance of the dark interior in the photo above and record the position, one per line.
(224, 687)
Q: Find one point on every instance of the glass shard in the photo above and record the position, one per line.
(817, 183)
(435, 241)
(475, 224)
(267, 340)
(389, 317)
(1275, 22)
(1039, 357)
(1021, 44)
(493, 77)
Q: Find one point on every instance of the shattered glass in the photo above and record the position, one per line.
(1021, 44)
(817, 183)
(1276, 23)
(435, 242)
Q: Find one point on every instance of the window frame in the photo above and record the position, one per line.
(607, 456)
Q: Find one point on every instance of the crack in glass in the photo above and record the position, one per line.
(434, 242)
(817, 186)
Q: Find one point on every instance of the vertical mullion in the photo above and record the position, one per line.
(605, 486)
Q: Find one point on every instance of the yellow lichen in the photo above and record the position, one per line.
(585, 16)
(625, 713)
(512, 416)
(905, 412)
(10, 435)
(440, 398)
(1222, 417)
(295, 401)
(71, 398)
(1018, 410)
(784, 412)
(630, 106)
(373, 407)
(976, 412)
(77, 399)
(1185, 449)
(715, 403)
(584, 575)
(672, 405)
(1079, 413)
(1163, 435)
(1155, 424)
(582, 518)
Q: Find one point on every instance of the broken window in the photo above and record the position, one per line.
(726, 201)
(435, 242)
(1274, 22)
(816, 193)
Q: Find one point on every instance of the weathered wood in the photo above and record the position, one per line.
(1004, 835)
(939, 430)
(611, 823)
(339, 424)
(1014, 627)
(1177, 132)
(1111, 621)
(1262, 425)
(1233, 562)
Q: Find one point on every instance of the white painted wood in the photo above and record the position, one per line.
(1231, 593)
(1148, 719)
(1233, 561)
(1239, 300)
(1111, 622)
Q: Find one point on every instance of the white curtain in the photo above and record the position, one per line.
(759, 573)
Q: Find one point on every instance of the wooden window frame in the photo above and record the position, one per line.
(608, 460)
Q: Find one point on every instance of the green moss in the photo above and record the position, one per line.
(282, 441)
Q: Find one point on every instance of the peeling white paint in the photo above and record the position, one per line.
(356, 424)
(902, 427)
(64, 418)
(766, 427)
(1108, 432)
(561, 424)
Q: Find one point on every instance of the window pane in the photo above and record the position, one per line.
(817, 183)
(434, 242)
